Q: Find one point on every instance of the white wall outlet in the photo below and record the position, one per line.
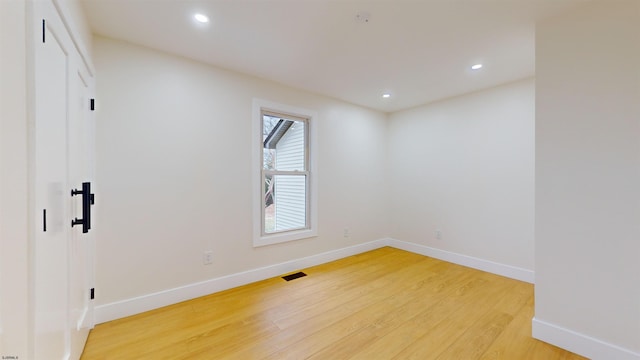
(439, 234)
(346, 233)
(207, 258)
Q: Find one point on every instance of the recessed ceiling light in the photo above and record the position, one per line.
(201, 18)
(476, 67)
(386, 95)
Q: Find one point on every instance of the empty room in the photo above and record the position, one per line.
(320, 179)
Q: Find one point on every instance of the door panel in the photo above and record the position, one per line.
(51, 250)
(79, 164)
(63, 259)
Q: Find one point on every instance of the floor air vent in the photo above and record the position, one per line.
(294, 276)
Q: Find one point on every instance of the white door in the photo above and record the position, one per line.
(63, 266)
(80, 142)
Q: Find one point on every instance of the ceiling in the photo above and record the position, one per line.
(417, 51)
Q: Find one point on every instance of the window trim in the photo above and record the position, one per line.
(260, 239)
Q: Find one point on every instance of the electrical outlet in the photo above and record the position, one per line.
(207, 258)
(346, 233)
(439, 234)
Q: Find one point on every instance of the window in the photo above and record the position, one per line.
(284, 173)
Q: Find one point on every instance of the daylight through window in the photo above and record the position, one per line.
(285, 173)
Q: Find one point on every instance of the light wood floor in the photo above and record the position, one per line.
(384, 304)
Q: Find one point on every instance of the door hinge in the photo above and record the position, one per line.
(92, 104)
(43, 30)
(92, 294)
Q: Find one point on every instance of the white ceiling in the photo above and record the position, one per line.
(418, 51)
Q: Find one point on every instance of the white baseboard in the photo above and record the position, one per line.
(120, 309)
(547, 332)
(137, 305)
(580, 344)
(464, 260)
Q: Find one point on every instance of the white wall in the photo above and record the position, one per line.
(174, 172)
(465, 166)
(588, 180)
(14, 244)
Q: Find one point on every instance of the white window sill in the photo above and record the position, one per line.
(284, 237)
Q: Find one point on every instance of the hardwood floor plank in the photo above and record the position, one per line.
(452, 320)
(367, 298)
(516, 337)
(383, 304)
(363, 288)
(439, 309)
(388, 315)
(477, 338)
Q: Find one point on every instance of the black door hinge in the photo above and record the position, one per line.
(92, 104)
(43, 30)
(93, 294)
